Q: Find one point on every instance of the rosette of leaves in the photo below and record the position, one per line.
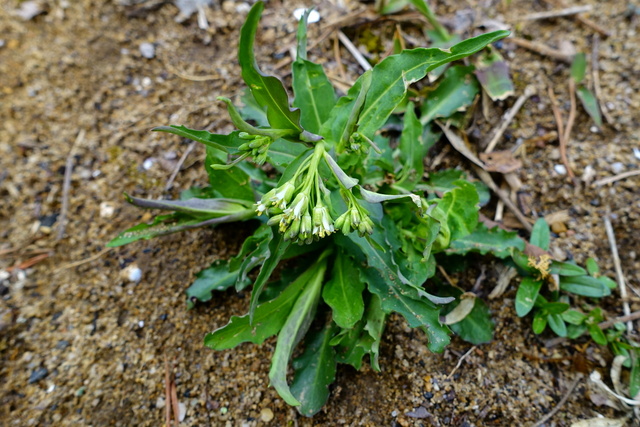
(353, 219)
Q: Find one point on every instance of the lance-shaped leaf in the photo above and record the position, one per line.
(590, 104)
(584, 285)
(343, 292)
(294, 328)
(492, 72)
(391, 77)
(496, 241)
(527, 294)
(413, 148)
(269, 317)
(195, 207)
(277, 248)
(373, 197)
(167, 224)
(578, 67)
(314, 94)
(456, 92)
(540, 234)
(566, 269)
(315, 371)
(282, 153)
(254, 252)
(347, 181)
(217, 277)
(268, 91)
(224, 143)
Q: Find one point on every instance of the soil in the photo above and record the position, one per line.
(80, 344)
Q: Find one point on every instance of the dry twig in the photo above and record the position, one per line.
(83, 261)
(566, 135)
(486, 178)
(618, 267)
(562, 401)
(462, 358)
(179, 165)
(66, 186)
(557, 13)
(612, 179)
(353, 50)
(508, 117)
(167, 393)
(597, 90)
(542, 49)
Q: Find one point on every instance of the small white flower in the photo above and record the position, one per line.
(322, 223)
(297, 208)
(283, 195)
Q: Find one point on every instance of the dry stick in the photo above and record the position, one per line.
(83, 261)
(67, 184)
(616, 263)
(167, 393)
(336, 53)
(556, 113)
(542, 49)
(596, 80)
(174, 402)
(562, 402)
(179, 165)
(508, 117)
(464, 356)
(585, 21)
(566, 135)
(618, 177)
(354, 51)
(486, 178)
(557, 13)
(185, 76)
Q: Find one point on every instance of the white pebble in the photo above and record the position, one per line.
(617, 167)
(594, 129)
(148, 50)
(132, 273)
(106, 210)
(160, 403)
(636, 153)
(146, 82)
(148, 163)
(182, 411)
(141, 324)
(314, 16)
(394, 414)
(560, 169)
(243, 7)
(266, 415)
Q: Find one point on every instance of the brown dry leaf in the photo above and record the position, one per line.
(500, 161)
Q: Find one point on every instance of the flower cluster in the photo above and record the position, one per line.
(256, 147)
(355, 219)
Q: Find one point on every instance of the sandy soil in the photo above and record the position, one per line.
(82, 345)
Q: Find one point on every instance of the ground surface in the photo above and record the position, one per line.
(82, 345)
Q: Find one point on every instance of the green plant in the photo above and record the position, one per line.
(351, 214)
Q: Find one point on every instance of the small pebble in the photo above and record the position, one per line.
(394, 414)
(148, 163)
(148, 50)
(182, 411)
(132, 273)
(107, 210)
(617, 167)
(38, 374)
(560, 169)
(636, 153)
(266, 415)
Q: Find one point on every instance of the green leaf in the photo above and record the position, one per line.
(496, 241)
(526, 296)
(413, 150)
(343, 293)
(592, 267)
(460, 209)
(392, 76)
(282, 153)
(217, 277)
(566, 269)
(166, 224)
(315, 371)
(232, 183)
(269, 317)
(584, 285)
(277, 247)
(218, 142)
(418, 313)
(574, 317)
(477, 326)
(196, 207)
(268, 91)
(492, 72)
(555, 307)
(456, 92)
(557, 325)
(596, 334)
(590, 104)
(294, 329)
(634, 377)
(539, 322)
(541, 235)
(578, 67)
(314, 94)
(609, 283)
(254, 253)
